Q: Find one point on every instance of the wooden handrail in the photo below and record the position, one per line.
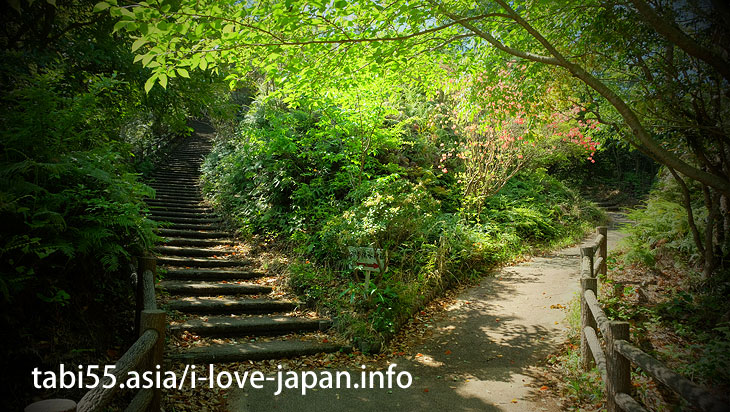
(615, 363)
(598, 356)
(598, 264)
(685, 388)
(597, 312)
(628, 404)
(145, 353)
(100, 396)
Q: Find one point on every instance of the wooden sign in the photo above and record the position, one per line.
(367, 258)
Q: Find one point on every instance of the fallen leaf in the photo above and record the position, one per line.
(543, 388)
(448, 352)
(514, 401)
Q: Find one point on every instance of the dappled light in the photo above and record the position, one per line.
(525, 205)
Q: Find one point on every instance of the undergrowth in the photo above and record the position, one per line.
(303, 176)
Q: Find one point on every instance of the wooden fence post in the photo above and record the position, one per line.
(587, 319)
(603, 250)
(145, 263)
(587, 252)
(155, 319)
(618, 367)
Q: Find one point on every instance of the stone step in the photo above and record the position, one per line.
(199, 242)
(230, 305)
(176, 177)
(188, 191)
(191, 220)
(184, 190)
(201, 262)
(197, 234)
(202, 288)
(188, 171)
(177, 197)
(190, 168)
(175, 185)
(160, 205)
(180, 209)
(278, 349)
(174, 181)
(191, 226)
(253, 325)
(191, 251)
(167, 187)
(175, 203)
(164, 213)
(211, 274)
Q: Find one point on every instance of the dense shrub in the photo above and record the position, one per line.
(76, 127)
(312, 178)
(70, 199)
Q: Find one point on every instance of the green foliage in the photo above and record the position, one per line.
(68, 196)
(75, 122)
(662, 226)
(713, 365)
(580, 387)
(344, 171)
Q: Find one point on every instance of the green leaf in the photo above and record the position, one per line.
(150, 82)
(126, 13)
(163, 81)
(183, 73)
(146, 59)
(101, 6)
(51, 2)
(119, 25)
(138, 43)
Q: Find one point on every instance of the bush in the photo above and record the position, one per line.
(70, 200)
(304, 175)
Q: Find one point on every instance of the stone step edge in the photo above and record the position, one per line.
(227, 325)
(255, 351)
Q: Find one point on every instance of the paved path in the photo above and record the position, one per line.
(481, 356)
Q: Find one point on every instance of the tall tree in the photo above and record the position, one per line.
(655, 71)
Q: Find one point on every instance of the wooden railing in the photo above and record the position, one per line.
(614, 362)
(144, 355)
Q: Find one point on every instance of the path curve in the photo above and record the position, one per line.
(482, 354)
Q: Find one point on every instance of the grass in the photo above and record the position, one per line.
(579, 389)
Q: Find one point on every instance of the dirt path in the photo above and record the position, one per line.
(482, 353)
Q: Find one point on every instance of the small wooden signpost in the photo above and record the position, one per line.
(367, 259)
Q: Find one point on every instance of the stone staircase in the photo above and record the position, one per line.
(213, 290)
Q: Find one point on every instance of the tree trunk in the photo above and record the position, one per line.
(712, 203)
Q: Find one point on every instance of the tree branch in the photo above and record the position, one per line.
(659, 153)
(687, 202)
(681, 39)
